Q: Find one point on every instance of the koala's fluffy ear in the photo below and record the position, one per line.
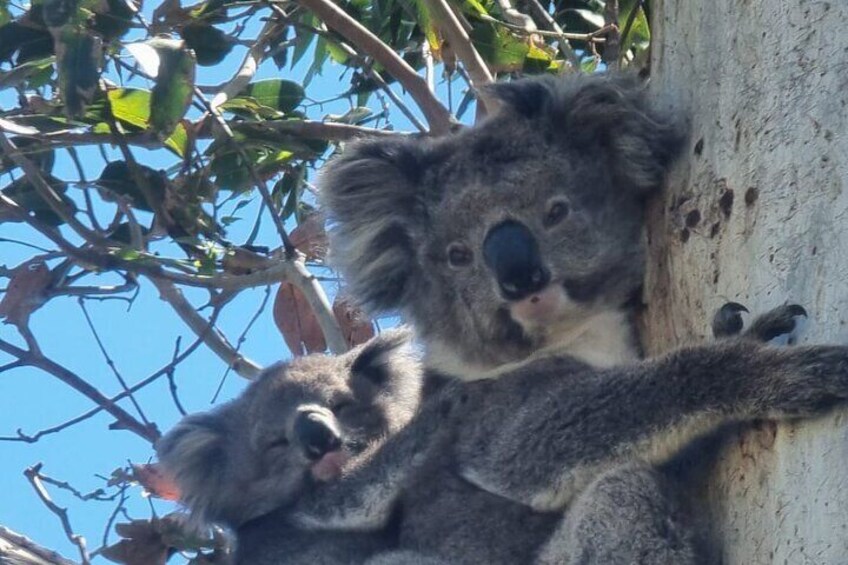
(611, 111)
(374, 208)
(382, 356)
(194, 453)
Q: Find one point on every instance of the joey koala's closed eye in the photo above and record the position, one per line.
(520, 234)
(291, 430)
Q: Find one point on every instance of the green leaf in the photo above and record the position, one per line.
(179, 141)
(37, 72)
(292, 185)
(131, 106)
(318, 60)
(502, 51)
(78, 56)
(174, 88)
(233, 173)
(303, 39)
(282, 95)
(639, 35)
(5, 16)
(210, 44)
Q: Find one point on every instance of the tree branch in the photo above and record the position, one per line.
(32, 475)
(20, 550)
(124, 420)
(436, 114)
(459, 40)
(213, 339)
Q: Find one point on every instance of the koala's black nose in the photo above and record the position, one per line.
(512, 253)
(315, 434)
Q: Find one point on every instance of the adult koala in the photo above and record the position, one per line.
(520, 234)
(289, 434)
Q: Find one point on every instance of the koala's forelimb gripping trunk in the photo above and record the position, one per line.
(559, 433)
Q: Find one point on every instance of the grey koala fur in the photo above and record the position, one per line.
(557, 435)
(245, 463)
(589, 145)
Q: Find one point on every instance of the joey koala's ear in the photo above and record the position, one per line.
(387, 354)
(608, 111)
(194, 454)
(372, 199)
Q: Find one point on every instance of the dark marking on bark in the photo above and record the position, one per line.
(699, 147)
(751, 196)
(725, 202)
(693, 218)
(714, 229)
(684, 235)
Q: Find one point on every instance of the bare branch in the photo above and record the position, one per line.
(459, 40)
(124, 420)
(213, 339)
(20, 550)
(32, 475)
(172, 382)
(436, 114)
(22, 437)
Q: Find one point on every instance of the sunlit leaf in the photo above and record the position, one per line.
(501, 50)
(282, 95)
(174, 88)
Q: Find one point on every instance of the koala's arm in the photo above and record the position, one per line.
(364, 498)
(538, 436)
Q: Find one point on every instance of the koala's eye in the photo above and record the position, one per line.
(341, 406)
(557, 211)
(279, 442)
(459, 255)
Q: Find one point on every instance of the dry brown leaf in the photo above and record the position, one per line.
(310, 238)
(25, 293)
(154, 480)
(297, 322)
(355, 325)
(142, 544)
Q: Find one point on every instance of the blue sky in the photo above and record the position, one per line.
(139, 339)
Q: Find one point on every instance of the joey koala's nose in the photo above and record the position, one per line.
(512, 253)
(316, 435)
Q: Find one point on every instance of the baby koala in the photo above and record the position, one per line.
(290, 433)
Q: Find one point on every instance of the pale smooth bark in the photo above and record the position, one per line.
(758, 213)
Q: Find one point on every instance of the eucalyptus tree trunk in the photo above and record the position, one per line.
(758, 213)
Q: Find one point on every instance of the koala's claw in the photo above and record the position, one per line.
(728, 320)
(780, 321)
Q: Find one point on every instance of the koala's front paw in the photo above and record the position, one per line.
(728, 320)
(809, 380)
(782, 321)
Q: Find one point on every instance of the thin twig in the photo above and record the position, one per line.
(32, 475)
(213, 339)
(109, 361)
(243, 337)
(434, 112)
(21, 437)
(172, 383)
(540, 13)
(124, 420)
